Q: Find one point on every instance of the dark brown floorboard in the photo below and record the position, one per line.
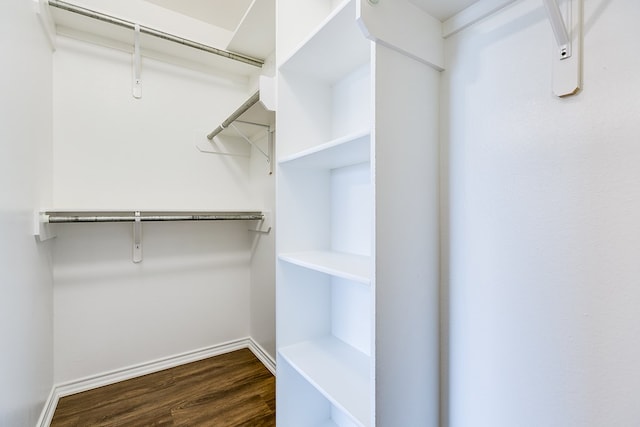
(233, 389)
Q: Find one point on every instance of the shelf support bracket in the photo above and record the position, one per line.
(250, 142)
(567, 57)
(559, 28)
(137, 239)
(137, 82)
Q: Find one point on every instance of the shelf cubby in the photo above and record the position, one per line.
(338, 371)
(333, 50)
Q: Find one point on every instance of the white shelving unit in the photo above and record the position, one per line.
(348, 295)
(325, 263)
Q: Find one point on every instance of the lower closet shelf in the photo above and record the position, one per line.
(340, 372)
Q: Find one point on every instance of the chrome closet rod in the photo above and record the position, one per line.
(59, 219)
(156, 33)
(232, 118)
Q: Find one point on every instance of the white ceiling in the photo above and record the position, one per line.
(259, 38)
(443, 9)
(222, 13)
(228, 13)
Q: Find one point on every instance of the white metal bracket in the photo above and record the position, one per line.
(566, 23)
(137, 82)
(137, 239)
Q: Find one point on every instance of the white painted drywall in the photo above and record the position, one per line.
(112, 151)
(190, 291)
(262, 290)
(263, 287)
(541, 200)
(157, 17)
(26, 366)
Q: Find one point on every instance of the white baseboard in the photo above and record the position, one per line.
(262, 356)
(111, 377)
(49, 409)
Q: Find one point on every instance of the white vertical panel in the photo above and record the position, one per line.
(351, 313)
(406, 240)
(351, 213)
(351, 102)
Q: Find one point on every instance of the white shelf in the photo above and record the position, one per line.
(346, 266)
(91, 30)
(338, 371)
(344, 151)
(333, 50)
(256, 34)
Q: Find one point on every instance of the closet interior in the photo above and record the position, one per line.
(413, 212)
(161, 230)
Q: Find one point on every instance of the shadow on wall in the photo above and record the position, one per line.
(86, 253)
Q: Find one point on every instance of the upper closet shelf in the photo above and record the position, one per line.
(256, 33)
(336, 47)
(101, 28)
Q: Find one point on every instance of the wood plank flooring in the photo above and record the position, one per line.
(233, 389)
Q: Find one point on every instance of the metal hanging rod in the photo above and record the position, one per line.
(61, 218)
(240, 111)
(155, 33)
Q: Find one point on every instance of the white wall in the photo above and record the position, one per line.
(263, 265)
(26, 366)
(542, 200)
(112, 151)
(157, 17)
(262, 290)
(190, 291)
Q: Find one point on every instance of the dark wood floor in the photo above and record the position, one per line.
(233, 389)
